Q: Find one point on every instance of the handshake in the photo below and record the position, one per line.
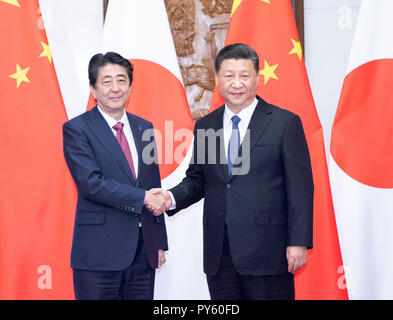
(157, 201)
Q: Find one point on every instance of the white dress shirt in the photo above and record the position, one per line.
(127, 132)
(245, 117)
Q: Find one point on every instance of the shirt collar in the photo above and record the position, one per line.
(244, 115)
(111, 121)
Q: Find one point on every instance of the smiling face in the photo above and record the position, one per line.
(237, 82)
(112, 89)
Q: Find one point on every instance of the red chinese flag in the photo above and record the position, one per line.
(269, 27)
(37, 196)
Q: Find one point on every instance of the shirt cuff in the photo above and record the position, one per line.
(173, 206)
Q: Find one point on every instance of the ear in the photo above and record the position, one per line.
(93, 91)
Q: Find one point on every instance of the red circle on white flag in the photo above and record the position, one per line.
(362, 134)
(157, 95)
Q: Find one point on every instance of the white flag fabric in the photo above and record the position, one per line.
(361, 156)
(140, 31)
(74, 29)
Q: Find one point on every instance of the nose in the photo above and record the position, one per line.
(115, 86)
(237, 83)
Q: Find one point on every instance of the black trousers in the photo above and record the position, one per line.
(134, 283)
(228, 284)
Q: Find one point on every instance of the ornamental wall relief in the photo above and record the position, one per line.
(199, 29)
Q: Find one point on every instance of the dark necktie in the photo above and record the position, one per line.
(234, 143)
(121, 138)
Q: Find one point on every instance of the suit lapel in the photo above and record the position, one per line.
(221, 157)
(259, 122)
(137, 131)
(101, 129)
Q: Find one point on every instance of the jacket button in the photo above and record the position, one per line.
(228, 186)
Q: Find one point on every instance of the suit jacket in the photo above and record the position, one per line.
(110, 202)
(267, 205)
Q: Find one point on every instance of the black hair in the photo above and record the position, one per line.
(237, 51)
(100, 60)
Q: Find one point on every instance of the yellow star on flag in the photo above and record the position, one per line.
(20, 75)
(12, 2)
(235, 4)
(269, 72)
(297, 49)
(46, 52)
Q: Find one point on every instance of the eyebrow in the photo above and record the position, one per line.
(117, 76)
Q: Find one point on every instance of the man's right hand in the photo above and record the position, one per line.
(157, 201)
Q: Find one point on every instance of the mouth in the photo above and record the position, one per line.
(237, 94)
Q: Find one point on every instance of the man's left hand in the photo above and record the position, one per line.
(297, 258)
(161, 258)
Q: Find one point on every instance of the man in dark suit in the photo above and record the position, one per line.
(117, 243)
(258, 209)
